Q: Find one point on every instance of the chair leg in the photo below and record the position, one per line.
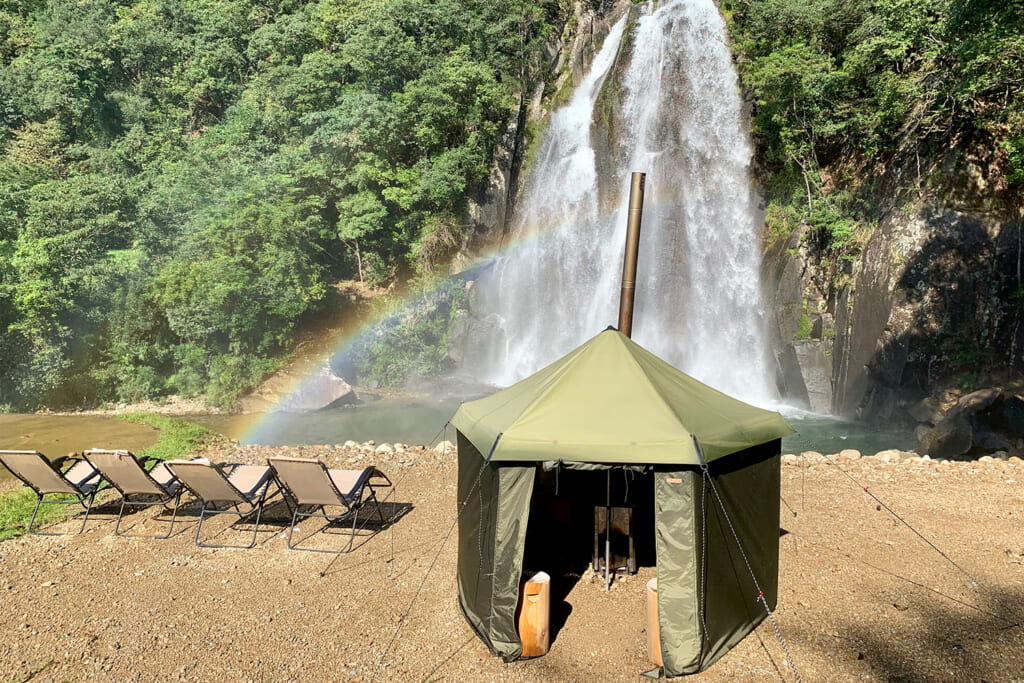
(380, 513)
(259, 511)
(120, 514)
(291, 529)
(88, 509)
(202, 512)
(39, 501)
(352, 538)
(174, 514)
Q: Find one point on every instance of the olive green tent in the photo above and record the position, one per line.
(611, 403)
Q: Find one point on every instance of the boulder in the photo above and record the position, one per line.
(321, 390)
(922, 429)
(950, 438)
(1011, 412)
(985, 421)
(990, 441)
(977, 401)
(927, 411)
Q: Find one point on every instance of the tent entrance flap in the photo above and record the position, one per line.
(707, 598)
(565, 511)
(493, 509)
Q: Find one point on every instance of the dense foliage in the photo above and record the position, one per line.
(180, 179)
(852, 93)
(413, 342)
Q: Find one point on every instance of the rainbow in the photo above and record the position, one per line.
(259, 427)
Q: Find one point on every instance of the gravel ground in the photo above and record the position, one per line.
(861, 596)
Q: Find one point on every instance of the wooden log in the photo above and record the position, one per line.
(535, 615)
(653, 630)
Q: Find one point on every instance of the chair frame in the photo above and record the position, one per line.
(87, 489)
(352, 505)
(172, 491)
(210, 506)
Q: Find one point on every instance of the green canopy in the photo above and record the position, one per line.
(611, 401)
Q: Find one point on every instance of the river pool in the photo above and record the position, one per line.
(408, 420)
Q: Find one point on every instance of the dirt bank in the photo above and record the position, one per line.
(861, 596)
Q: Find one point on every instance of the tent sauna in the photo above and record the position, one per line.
(612, 404)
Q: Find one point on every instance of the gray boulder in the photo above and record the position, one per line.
(951, 438)
(319, 391)
(927, 410)
(985, 421)
(1011, 412)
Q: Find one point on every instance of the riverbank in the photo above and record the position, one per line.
(861, 596)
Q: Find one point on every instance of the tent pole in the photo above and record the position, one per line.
(608, 534)
(636, 211)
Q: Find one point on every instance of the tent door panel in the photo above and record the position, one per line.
(493, 509)
(678, 588)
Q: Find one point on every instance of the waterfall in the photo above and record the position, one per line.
(677, 116)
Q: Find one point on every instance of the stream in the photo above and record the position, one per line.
(407, 420)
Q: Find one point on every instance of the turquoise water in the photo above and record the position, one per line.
(408, 421)
(422, 421)
(827, 434)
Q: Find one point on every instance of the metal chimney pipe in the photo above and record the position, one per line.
(636, 211)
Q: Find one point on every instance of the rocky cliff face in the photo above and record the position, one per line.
(934, 301)
(570, 55)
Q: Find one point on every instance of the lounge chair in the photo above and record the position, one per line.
(235, 485)
(310, 484)
(34, 470)
(126, 474)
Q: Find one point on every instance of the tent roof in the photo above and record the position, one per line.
(612, 401)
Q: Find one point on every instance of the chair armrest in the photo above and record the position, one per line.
(148, 462)
(72, 458)
(375, 474)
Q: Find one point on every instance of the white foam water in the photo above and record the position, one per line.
(698, 300)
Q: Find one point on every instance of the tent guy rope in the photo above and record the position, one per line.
(760, 593)
(1015, 620)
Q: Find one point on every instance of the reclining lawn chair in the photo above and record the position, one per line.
(310, 484)
(235, 485)
(33, 469)
(126, 474)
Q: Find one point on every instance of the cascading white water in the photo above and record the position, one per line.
(698, 301)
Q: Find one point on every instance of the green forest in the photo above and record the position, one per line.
(858, 102)
(182, 181)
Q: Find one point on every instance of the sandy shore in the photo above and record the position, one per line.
(861, 596)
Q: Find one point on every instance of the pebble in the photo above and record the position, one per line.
(849, 454)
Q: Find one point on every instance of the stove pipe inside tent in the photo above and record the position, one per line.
(704, 467)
